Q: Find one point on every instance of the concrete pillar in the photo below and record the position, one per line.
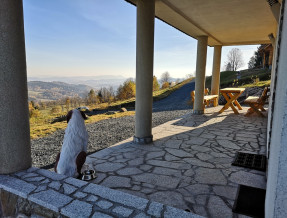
(15, 151)
(200, 74)
(144, 70)
(216, 70)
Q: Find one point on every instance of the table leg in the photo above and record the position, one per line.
(235, 101)
(230, 100)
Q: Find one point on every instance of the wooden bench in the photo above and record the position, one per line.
(207, 98)
(257, 103)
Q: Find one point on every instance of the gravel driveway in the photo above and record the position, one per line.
(108, 132)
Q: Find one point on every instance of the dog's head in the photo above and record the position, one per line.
(70, 113)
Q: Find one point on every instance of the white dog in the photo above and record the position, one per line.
(74, 149)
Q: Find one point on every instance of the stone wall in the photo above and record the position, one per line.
(38, 192)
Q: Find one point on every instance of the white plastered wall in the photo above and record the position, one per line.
(276, 193)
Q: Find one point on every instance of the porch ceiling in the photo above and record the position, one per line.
(226, 22)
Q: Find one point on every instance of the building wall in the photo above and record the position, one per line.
(276, 193)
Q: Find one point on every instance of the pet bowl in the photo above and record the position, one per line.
(88, 175)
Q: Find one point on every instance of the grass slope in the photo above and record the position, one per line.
(227, 77)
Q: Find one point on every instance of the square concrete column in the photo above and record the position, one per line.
(144, 70)
(215, 82)
(200, 75)
(15, 152)
(276, 190)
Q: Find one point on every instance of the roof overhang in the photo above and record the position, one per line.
(225, 22)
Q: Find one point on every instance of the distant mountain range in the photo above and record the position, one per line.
(55, 88)
(94, 81)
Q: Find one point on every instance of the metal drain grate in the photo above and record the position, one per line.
(252, 161)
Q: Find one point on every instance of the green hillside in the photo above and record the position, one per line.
(246, 76)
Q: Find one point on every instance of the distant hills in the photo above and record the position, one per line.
(47, 91)
(55, 88)
(94, 81)
(47, 88)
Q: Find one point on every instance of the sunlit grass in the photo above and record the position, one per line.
(258, 84)
(41, 126)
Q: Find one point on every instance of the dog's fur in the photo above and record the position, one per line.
(73, 154)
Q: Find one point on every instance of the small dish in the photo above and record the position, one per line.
(88, 175)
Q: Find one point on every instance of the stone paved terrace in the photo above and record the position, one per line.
(188, 166)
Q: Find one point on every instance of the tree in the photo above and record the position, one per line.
(106, 94)
(92, 98)
(255, 60)
(127, 90)
(165, 77)
(251, 63)
(234, 57)
(67, 104)
(228, 67)
(155, 86)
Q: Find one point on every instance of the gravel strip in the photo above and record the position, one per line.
(101, 135)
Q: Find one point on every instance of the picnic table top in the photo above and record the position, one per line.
(228, 90)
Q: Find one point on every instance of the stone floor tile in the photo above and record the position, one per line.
(108, 167)
(68, 189)
(80, 194)
(225, 191)
(123, 211)
(154, 154)
(210, 176)
(75, 182)
(217, 207)
(169, 198)
(129, 171)
(104, 204)
(178, 152)
(155, 209)
(55, 185)
(102, 215)
(198, 189)
(92, 198)
(145, 167)
(173, 144)
(50, 199)
(249, 179)
(227, 144)
(117, 182)
(158, 180)
(77, 209)
(136, 162)
(196, 141)
(166, 171)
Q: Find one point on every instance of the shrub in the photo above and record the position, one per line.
(56, 110)
(165, 85)
(155, 86)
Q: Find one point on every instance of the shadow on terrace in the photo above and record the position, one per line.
(188, 166)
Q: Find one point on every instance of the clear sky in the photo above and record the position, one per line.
(98, 37)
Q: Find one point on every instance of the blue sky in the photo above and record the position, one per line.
(98, 37)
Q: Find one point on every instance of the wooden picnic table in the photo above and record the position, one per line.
(231, 95)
